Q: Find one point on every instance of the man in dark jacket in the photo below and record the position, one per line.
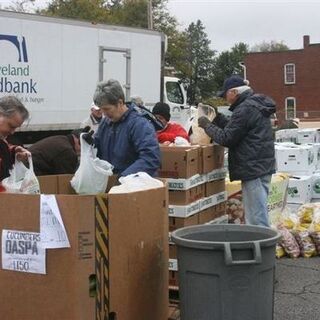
(248, 135)
(125, 138)
(57, 154)
(12, 115)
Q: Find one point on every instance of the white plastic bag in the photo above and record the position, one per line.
(198, 134)
(22, 179)
(136, 182)
(179, 141)
(93, 173)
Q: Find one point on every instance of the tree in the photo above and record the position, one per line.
(227, 63)
(197, 70)
(269, 46)
(21, 6)
(91, 10)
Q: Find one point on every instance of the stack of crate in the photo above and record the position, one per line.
(196, 181)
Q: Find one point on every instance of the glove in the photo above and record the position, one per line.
(88, 137)
(86, 129)
(203, 122)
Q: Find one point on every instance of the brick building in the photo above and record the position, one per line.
(291, 78)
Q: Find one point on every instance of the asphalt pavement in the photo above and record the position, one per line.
(297, 290)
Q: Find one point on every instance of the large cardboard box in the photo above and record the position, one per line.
(300, 189)
(214, 187)
(218, 156)
(206, 158)
(212, 213)
(173, 279)
(183, 197)
(295, 159)
(211, 158)
(308, 135)
(206, 215)
(118, 242)
(316, 185)
(177, 223)
(179, 162)
(172, 251)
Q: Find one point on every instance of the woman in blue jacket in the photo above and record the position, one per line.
(124, 138)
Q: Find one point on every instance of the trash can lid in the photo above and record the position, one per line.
(215, 236)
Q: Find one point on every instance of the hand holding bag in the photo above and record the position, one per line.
(93, 173)
(22, 179)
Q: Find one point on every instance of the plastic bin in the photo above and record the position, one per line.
(226, 272)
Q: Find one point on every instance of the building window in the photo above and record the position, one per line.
(290, 108)
(290, 73)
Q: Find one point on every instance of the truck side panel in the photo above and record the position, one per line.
(52, 65)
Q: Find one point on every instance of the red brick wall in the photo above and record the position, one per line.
(265, 71)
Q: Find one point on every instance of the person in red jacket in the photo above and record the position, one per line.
(12, 115)
(171, 130)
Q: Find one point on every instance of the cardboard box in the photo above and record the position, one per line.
(295, 159)
(214, 187)
(206, 158)
(315, 185)
(116, 241)
(218, 156)
(173, 279)
(185, 210)
(208, 202)
(212, 213)
(211, 158)
(172, 251)
(287, 135)
(308, 135)
(177, 223)
(206, 215)
(299, 189)
(179, 162)
(216, 174)
(221, 208)
(183, 197)
(316, 150)
(185, 184)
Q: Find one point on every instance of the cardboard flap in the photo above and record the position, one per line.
(138, 249)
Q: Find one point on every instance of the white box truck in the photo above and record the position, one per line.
(53, 66)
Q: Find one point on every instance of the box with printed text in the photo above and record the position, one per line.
(115, 241)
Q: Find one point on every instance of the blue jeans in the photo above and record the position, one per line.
(255, 199)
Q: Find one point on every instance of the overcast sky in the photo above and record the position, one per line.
(228, 22)
(252, 21)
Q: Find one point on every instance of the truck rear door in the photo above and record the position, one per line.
(115, 63)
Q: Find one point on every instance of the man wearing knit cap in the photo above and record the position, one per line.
(248, 135)
(171, 130)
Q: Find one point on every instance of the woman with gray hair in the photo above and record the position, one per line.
(125, 138)
(12, 115)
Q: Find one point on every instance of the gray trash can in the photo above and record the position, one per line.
(226, 272)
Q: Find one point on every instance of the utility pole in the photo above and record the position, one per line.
(150, 18)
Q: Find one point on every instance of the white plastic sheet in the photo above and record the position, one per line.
(136, 182)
